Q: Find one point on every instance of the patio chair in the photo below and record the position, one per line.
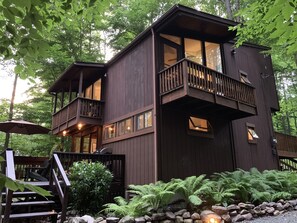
(38, 173)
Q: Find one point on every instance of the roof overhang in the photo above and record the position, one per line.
(91, 73)
(181, 19)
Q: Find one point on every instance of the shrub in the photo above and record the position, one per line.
(90, 183)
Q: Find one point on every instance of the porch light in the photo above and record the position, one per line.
(79, 126)
(212, 220)
(64, 133)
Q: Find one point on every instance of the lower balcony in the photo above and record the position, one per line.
(80, 110)
(196, 87)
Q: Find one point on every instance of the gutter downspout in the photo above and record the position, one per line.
(155, 107)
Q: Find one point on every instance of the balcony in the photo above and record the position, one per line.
(80, 110)
(187, 83)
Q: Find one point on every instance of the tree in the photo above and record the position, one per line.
(270, 21)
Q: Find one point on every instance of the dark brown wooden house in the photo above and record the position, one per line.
(177, 101)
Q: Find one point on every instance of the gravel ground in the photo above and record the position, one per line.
(288, 217)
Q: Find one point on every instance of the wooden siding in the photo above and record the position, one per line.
(129, 82)
(182, 155)
(260, 155)
(286, 145)
(139, 153)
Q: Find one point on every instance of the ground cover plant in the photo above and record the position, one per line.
(198, 191)
(90, 183)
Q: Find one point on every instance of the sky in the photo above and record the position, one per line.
(6, 85)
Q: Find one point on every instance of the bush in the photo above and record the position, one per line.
(90, 183)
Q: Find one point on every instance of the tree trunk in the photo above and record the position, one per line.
(10, 115)
(228, 9)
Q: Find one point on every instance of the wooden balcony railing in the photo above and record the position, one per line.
(188, 74)
(286, 145)
(78, 108)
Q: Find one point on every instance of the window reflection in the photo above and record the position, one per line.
(213, 56)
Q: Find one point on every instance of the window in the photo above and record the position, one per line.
(125, 126)
(213, 56)
(144, 120)
(193, 50)
(109, 131)
(93, 91)
(251, 133)
(199, 124)
(199, 127)
(244, 77)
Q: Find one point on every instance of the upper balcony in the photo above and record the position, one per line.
(80, 110)
(190, 84)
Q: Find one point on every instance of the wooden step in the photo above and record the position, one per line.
(37, 183)
(30, 203)
(33, 215)
(21, 193)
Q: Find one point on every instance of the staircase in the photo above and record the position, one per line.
(287, 163)
(30, 205)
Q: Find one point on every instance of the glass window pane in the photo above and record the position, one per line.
(170, 55)
(121, 127)
(193, 50)
(213, 56)
(93, 142)
(88, 92)
(97, 90)
(86, 143)
(109, 131)
(198, 124)
(148, 119)
(174, 39)
(128, 125)
(140, 121)
(76, 144)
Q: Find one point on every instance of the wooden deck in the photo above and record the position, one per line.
(286, 145)
(84, 110)
(187, 79)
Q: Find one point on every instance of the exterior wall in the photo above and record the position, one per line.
(129, 82)
(139, 155)
(182, 155)
(250, 60)
(129, 91)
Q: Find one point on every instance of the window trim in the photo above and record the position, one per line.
(250, 130)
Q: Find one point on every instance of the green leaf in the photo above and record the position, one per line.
(195, 200)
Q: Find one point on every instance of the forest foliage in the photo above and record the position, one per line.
(41, 38)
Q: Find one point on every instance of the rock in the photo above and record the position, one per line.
(277, 212)
(226, 218)
(249, 206)
(180, 212)
(76, 220)
(88, 218)
(198, 221)
(295, 208)
(112, 220)
(272, 204)
(279, 206)
(158, 217)
(104, 221)
(195, 216)
(287, 205)
(167, 221)
(147, 218)
(282, 201)
(188, 220)
(292, 202)
(127, 219)
(238, 218)
(179, 219)
(243, 212)
(242, 205)
(140, 220)
(99, 219)
(186, 215)
(208, 214)
(176, 207)
(248, 216)
(263, 205)
(71, 213)
(233, 207)
(169, 215)
(269, 210)
(220, 210)
(233, 213)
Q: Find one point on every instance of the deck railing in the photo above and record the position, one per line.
(288, 164)
(286, 145)
(79, 107)
(115, 163)
(186, 73)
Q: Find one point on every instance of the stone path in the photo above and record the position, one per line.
(288, 217)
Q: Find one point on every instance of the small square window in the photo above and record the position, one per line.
(244, 77)
(199, 127)
(252, 136)
(144, 120)
(109, 131)
(125, 126)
